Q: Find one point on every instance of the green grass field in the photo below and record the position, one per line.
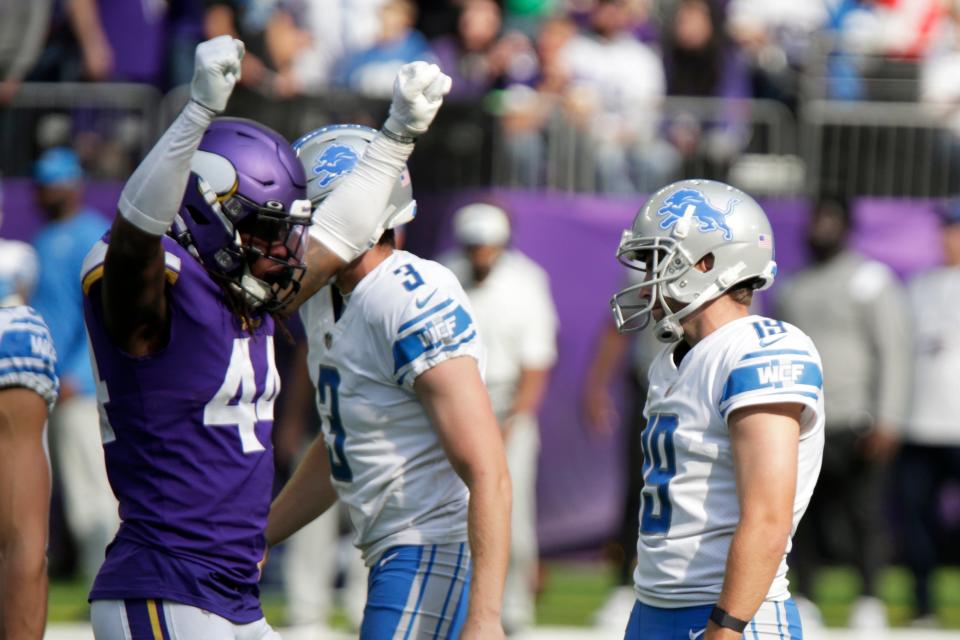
(575, 590)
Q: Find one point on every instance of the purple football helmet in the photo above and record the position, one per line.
(245, 200)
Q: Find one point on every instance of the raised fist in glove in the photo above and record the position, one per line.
(216, 71)
(417, 95)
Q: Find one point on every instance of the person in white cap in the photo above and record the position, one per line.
(514, 309)
(18, 268)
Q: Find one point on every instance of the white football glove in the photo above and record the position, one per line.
(417, 95)
(216, 71)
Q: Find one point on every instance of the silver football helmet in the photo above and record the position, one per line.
(678, 226)
(329, 153)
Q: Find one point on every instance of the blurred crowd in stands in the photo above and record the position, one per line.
(602, 66)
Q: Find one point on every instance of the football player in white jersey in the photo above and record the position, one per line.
(410, 442)
(734, 435)
(28, 390)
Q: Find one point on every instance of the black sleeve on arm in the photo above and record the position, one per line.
(134, 302)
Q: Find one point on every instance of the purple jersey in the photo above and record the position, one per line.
(186, 437)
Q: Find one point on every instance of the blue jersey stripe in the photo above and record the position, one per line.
(423, 591)
(14, 362)
(17, 333)
(463, 600)
(439, 331)
(44, 386)
(772, 375)
(451, 347)
(776, 607)
(26, 342)
(17, 338)
(24, 322)
(794, 626)
(44, 372)
(409, 323)
(446, 600)
(389, 587)
(775, 352)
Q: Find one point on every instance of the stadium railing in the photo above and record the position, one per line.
(879, 149)
(467, 146)
(832, 73)
(751, 142)
(113, 124)
(849, 148)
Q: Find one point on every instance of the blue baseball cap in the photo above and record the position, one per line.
(58, 165)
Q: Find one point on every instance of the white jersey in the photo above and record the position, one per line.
(517, 319)
(388, 465)
(689, 509)
(27, 356)
(935, 302)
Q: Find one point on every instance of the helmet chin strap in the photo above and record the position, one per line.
(669, 328)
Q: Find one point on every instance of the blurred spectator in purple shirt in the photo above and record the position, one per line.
(525, 110)
(701, 61)
(699, 57)
(246, 20)
(777, 36)
(121, 41)
(136, 32)
(184, 33)
(77, 47)
(478, 57)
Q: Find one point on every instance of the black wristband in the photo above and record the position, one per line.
(726, 620)
(204, 107)
(396, 137)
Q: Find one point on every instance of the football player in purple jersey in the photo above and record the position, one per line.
(212, 238)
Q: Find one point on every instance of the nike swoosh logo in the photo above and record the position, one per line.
(694, 636)
(770, 341)
(422, 303)
(389, 558)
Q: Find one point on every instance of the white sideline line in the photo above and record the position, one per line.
(83, 631)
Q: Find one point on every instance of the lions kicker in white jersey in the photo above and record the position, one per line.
(703, 247)
(387, 463)
(689, 509)
(365, 352)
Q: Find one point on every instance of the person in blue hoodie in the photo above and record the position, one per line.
(371, 71)
(61, 244)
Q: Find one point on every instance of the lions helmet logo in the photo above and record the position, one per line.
(709, 217)
(335, 161)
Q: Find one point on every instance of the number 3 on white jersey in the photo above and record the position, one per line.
(328, 400)
(240, 381)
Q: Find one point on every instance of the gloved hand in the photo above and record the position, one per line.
(216, 71)
(417, 95)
